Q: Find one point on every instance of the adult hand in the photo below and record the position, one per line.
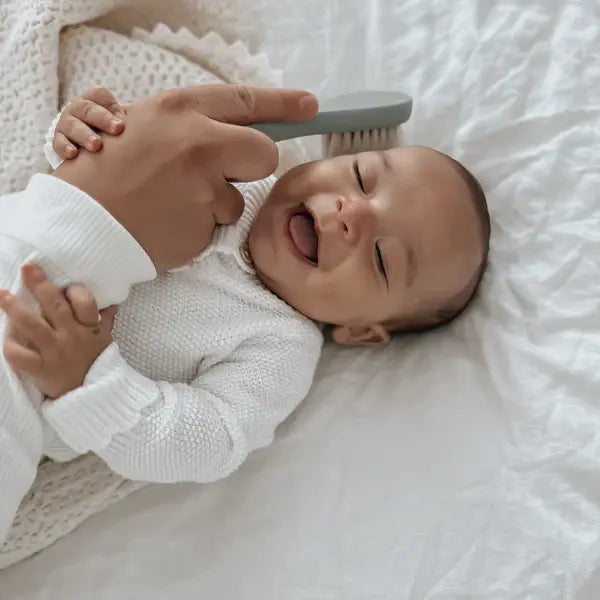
(166, 177)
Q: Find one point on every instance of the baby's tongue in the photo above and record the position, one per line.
(302, 232)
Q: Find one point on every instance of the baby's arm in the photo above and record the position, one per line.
(77, 126)
(169, 432)
(153, 430)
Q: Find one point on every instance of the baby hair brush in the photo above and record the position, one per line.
(350, 123)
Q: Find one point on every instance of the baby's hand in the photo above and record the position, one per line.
(55, 348)
(96, 110)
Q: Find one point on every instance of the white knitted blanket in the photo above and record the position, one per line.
(131, 51)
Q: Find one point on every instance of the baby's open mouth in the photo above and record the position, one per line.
(304, 235)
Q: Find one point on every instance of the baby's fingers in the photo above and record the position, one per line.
(83, 305)
(107, 318)
(63, 147)
(106, 98)
(104, 328)
(55, 308)
(22, 359)
(77, 132)
(28, 324)
(97, 116)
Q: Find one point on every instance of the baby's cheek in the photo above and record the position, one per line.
(294, 186)
(350, 290)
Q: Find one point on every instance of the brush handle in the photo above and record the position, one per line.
(351, 112)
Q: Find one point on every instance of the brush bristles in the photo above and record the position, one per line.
(351, 142)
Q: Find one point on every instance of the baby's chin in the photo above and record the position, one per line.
(279, 280)
(282, 291)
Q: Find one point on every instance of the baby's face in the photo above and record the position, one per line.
(369, 241)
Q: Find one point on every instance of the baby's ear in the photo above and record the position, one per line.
(368, 335)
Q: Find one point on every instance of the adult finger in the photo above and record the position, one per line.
(54, 305)
(243, 153)
(83, 304)
(28, 324)
(228, 205)
(242, 104)
(97, 116)
(22, 359)
(63, 147)
(104, 97)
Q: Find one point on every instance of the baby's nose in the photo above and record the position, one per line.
(357, 218)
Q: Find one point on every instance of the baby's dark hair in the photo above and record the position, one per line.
(457, 305)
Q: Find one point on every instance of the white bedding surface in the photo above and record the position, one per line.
(464, 463)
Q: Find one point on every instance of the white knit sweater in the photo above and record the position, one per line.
(54, 224)
(207, 362)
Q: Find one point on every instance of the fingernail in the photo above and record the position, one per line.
(71, 150)
(309, 104)
(94, 141)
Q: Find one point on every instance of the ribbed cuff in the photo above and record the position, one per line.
(79, 236)
(109, 402)
(54, 159)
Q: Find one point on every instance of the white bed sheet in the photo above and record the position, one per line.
(463, 463)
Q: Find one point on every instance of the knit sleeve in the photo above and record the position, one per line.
(168, 432)
(74, 239)
(55, 225)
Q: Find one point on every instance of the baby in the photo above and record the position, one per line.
(206, 361)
